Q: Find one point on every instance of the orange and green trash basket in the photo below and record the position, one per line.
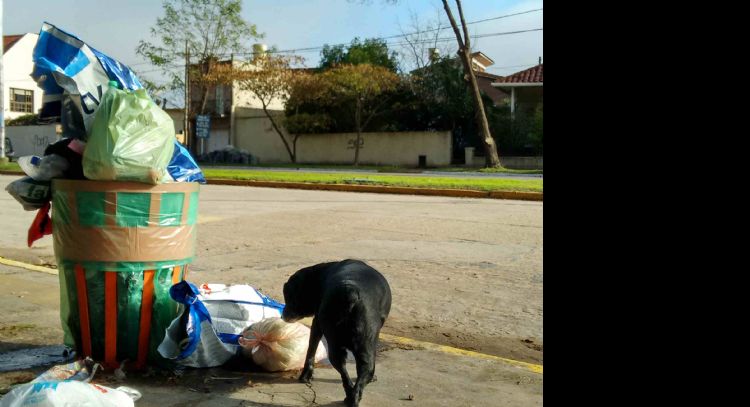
(120, 246)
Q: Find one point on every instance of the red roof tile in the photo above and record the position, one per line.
(534, 74)
(9, 41)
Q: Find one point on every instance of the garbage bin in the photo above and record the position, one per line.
(119, 247)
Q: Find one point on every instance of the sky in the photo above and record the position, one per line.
(115, 27)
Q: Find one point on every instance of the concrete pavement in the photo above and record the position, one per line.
(407, 374)
(465, 273)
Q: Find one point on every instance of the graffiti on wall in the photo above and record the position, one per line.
(353, 142)
(40, 142)
(30, 140)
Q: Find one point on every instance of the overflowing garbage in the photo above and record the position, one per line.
(123, 244)
(111, 129)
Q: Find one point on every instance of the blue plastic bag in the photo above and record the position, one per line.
(183, 167)
(74, 77)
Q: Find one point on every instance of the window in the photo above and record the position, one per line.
(21, 100)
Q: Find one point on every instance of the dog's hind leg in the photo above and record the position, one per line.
(337, 357)
(365, 372)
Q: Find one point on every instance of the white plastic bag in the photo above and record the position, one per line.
(63, 394)
(277, 346)
(216, 314)
(32, 195)
(44, 168)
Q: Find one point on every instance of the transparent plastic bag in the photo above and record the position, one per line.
(131, 139)
(277, 346)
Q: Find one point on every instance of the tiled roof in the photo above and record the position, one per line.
(534, 74)
(9, 41)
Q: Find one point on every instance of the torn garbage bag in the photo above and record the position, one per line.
(74, 77)
(207, 332)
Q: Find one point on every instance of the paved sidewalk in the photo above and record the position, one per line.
(407, 375)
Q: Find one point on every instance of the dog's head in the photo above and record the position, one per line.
(302, 293)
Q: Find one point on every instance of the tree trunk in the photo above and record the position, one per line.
(204, 99)
(358, 119)
(464, 51)
(294, 148)
(292, 155)
(492, 158)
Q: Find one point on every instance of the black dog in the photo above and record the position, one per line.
(350, 301)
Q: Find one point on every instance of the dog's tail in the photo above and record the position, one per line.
(352, 297)
(348, 296)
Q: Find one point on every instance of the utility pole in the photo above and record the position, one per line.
(187, 96)
(3, 158)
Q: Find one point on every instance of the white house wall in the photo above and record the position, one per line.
(244, 98)
(31, 140)
(17, 68)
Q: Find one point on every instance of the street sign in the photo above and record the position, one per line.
(202, 126)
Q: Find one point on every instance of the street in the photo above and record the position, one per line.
(465, 273)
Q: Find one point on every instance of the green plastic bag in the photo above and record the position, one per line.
(131, 139)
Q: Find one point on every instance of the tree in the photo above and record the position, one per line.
(307, 94)
(492, 158)
(269, 78)
(372, 51)
(464, 52)
(157, 91)
(212, 30)
(420, 39)
(362, 89)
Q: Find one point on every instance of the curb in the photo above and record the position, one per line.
(378, 189)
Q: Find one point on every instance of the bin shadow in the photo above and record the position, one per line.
(22, 356)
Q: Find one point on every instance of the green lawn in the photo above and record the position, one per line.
(10, 167)
(387, 168)
(479, 184)
(532, 185)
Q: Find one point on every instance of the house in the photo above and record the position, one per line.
(237, 119)
(480, 62)
(22, 95)
(526, 89)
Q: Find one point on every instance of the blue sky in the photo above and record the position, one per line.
(115, 27)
